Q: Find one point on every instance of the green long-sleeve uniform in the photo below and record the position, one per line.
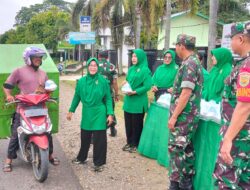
(94, 93)
(139, 78)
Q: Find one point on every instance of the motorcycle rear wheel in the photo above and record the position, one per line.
(40, 162)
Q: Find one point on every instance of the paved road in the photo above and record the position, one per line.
(21, 178)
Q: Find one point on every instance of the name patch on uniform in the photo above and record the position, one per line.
(243, 92)
(243, 85)
(244, 78)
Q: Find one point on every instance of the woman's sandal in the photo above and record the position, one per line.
(54, 161)
(7, 167)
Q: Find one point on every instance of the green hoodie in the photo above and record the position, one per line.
(164, 75)
(94, 93)
(218, 74)
(139, 78)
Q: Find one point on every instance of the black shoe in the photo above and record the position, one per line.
(186, 183)
(174, 185)
(113, 131)
(76, 161)
(126, 147)
(133, 149)
(99, 168)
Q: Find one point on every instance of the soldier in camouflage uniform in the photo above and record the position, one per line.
(108, 70)
(232, 169)
(184, 110)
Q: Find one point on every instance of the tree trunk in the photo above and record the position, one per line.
(120, 69)
(167, 24)
(212, 33)
(138, 26)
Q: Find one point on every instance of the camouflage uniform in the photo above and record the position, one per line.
(180, 146)
(108, 70)
(237, 87)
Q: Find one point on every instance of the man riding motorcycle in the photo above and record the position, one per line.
(29, 79)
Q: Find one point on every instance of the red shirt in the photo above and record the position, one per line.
(27, 79)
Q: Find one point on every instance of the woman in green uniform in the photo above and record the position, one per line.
(207, 138)
(154, 139)
(222, 61)
(93, 92)
(163, 78)
(136, 101)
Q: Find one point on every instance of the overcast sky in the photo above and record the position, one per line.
(9, 9)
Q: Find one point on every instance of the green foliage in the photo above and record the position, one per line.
(26, 13)
(43, 28)
(229, 10)
(46, 28)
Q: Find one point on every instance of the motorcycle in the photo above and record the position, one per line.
(35, 125)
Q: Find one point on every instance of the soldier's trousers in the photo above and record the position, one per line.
(181, 150)
(237, 175)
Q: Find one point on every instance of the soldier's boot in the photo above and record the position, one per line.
(186, 183)
(174, 185)
(113, 131)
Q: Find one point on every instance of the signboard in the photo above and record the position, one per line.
(226, 42)
(81, 37)
(64, 45)
(85, 24)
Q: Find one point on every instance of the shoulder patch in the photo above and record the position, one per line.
(244, 78)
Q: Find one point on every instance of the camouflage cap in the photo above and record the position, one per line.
(239, 28)
(186, 40)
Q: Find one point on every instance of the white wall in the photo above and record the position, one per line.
(106, 44)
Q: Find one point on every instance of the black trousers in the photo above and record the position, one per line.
(112, 126)
(14, 144)
(99, 146)
(133, 125)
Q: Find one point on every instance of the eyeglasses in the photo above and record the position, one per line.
(167, 57)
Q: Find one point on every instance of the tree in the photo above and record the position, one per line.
(228, 11)
(212, 33)
(26, 13)
(167, 24)
(117, 31)
(182, 5)
(43, 27)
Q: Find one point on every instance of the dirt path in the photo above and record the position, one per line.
(122, 171)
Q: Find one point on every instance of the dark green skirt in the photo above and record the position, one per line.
(206, 144)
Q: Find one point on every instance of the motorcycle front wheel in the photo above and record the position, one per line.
(40, 162)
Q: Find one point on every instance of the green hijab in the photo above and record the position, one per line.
(92, 84)
(164, 75)
(138, 72)
(218, 74)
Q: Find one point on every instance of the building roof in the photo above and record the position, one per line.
(175, 15)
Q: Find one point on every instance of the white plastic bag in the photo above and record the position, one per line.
(50, 85)
(164, 100)
(210, 111)
(126, 88)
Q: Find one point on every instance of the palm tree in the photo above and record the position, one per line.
(212, 33)
(167, 24)
(117, 31)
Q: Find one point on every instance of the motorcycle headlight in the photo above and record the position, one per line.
(39, 129)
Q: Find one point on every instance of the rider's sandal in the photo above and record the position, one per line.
(54, 161)
(7, 167)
